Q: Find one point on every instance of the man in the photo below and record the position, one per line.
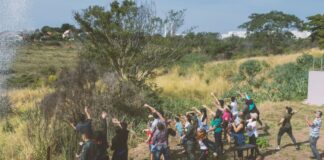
(315, 128)
(88, 149)
(286, 127)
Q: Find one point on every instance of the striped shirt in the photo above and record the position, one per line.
(316, 127)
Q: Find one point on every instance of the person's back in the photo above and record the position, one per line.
(287, 118)
(119, 144)
(88, 150)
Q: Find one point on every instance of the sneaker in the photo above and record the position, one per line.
(297, 148)
(278, 148)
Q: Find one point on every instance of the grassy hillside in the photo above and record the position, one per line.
(188, 83)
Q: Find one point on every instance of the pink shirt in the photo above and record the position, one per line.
(226, 116)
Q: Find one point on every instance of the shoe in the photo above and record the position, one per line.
(297, 148)
(278, 148)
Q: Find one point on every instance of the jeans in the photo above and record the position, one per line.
(253, 140)
(190, 149)
(282, 131)
(162, 150)
(218, 141)
(203, 155)
(312, 142)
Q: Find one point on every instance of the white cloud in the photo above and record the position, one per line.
(298, 34)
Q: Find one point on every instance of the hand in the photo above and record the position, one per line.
(146, 105)
(115, 120)
(104, 115)
(86, 109)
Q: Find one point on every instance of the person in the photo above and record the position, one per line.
(190, 138)
(315, 128)
(119, 141)
(88, 151)
(252, 132)
(101, 138)
(160, 145)
(202, 137)
(216, 128)
(203, 120)
(286, 127)
(84, 123)
(238, 134)
(149, 134)
(234, 106)
(179, 127)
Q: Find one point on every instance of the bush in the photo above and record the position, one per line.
(263, 142)
(249, 69)
(305, 60)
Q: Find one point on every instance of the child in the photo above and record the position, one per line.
(179, 128)
(252, 131)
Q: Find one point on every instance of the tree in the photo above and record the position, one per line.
(67, 26)
(316, 26)
(126, 39)
(271, 30)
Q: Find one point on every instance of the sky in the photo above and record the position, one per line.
(208, 15)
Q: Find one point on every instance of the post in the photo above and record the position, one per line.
(321, 63)
(48, 155)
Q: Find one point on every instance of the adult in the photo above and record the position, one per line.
(315, 128)
(203, 120)
(119, 142)
(252, 132)
(234, 107)
(216, 128)
(190, 137)
(160, 144)
(238, 134)
(88, 148)
(101, 138)
(285, 127)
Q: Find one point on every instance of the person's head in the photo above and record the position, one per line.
(177, 119)
(288, 110)
(221, 102)
(203, 111)
(318, 114)
(201, 133)
(155, 116)
(81, 117)
(160, 126)
(248, 101)
(188, 118)
(150, 117)
(85, 136)
(218, 114)
(233, 99)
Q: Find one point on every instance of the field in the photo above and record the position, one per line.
(184, 85)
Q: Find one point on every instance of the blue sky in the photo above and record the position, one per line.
(209, 15)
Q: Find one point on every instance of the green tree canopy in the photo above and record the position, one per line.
(272, 29)
(126, 39)
(316, 26)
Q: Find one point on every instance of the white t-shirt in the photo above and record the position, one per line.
(154, 124)
(251, 128)
(202, 145)
(234, 108)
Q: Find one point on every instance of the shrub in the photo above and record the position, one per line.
(305, 60)
(251, 68)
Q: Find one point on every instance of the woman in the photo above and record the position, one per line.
(286, 127)
(238, 134)
(216, 127)
(203, 120)
(252, 132)
(119, 141)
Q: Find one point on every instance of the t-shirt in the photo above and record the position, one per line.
(84, 127)
(286, 122)
(161, 136)
(179, 128)
(88, 150)
(316, 127)
(226, 116)
(154, 124)
(202, 145)
(251, 128)
(217, 123)
(234, 108)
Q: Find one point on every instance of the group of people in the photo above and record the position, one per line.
(227, 123)
(94, 144)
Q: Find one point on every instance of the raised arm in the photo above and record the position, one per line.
(196, 110)
(238, 128)
(153, 110)
(309, 123)
(209, 110)
(281, 121)
(87, 112)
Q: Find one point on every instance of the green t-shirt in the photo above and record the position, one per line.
(217, 123)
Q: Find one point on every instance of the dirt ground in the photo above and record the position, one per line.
(270, 115)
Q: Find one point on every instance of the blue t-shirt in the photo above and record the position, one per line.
(179, 128)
